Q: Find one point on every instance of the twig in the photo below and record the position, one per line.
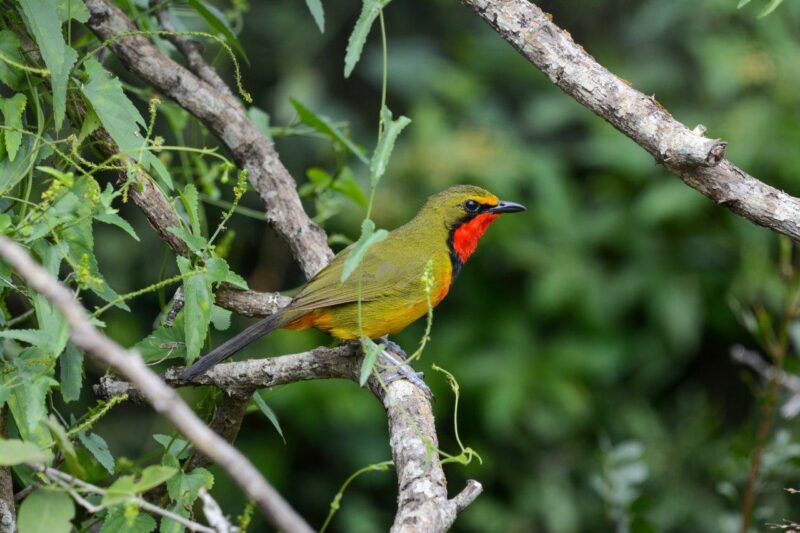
(158, 394)
(214, 514)
(698, 161)
(192, 51)
(249, 147)
(68, 482)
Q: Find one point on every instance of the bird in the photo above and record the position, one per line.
(390, 282)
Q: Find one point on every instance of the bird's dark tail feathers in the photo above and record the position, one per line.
(233, 345)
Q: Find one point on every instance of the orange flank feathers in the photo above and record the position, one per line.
(467, 235)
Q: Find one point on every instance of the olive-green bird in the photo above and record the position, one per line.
(393, 290)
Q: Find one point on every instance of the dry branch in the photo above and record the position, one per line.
(698, 161)
(163, 398)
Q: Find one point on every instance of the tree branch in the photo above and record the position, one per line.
(163, 398)
(8, 515)
(251, 150)
(698, 161)
(422, 498)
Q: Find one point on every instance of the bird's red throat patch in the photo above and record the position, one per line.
(467, 235)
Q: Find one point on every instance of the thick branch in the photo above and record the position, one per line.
(422, 500)
(249, 147)
(163, 398)
(8, 515)
(696, 160)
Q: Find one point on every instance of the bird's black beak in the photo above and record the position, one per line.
(507, 207)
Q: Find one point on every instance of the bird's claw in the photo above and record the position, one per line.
(404, 371)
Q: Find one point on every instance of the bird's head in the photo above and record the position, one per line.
(467, 211)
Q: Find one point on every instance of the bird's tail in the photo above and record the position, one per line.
(233, 345)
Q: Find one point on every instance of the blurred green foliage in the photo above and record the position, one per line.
(589, 337)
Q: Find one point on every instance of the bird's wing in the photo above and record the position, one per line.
(383, 272)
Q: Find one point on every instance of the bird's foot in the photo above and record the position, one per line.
(405, 371)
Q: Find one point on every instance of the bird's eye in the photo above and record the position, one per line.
(471, 206)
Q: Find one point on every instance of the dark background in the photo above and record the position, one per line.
(599, 317)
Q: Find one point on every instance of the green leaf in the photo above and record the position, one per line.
(371, 351)
(218, 22)
(71, 362)
(154, 475)
(315, 6)
(173, 446)
(194, 242)
(9, 47)
(116, 521)
(346, 184)
(356, 254)
(164, 343)
(11, 172)
(41, 17)
(261, 120)
(46, 511)
(72, 9)
(325, 126)
(34, 337)
(184, 487)
(269, 413)
(116, 220)
(769, 8)
(15, 452)
(116, 112)
(12, 109)
(28, 402)
(355, 45)
(98, 447)
(171, 526)
(197, 311)
(742, 3)
(219, 271)
(191, 203)
(221, 318)
(391, 130)
(59, 435)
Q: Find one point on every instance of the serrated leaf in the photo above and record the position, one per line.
(59, 435)
(315, 7)
(9, 47)
(34, 337)
(116, 521)
(184, 487)
(71, 364)
(191, 203)
(28, 401)
(164, 343)
(116, 220)
(46, 511)
(326, 126)
(391, 130)
(197, 310)
(356, 254)
(12, 109)
(98, 447)
(194, 242)
(219, 271)
(218, 22)
(15, 452)
(118, 115)
(44, 23)
(154, 475)
(72, 9)
(269, 413)
(11, 172)
(371, 351)
(355, 44)
(176, 447)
